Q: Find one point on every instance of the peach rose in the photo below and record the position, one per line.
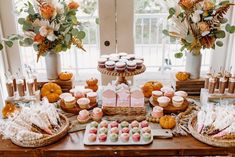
(38, 38)
(203, 26)
(73, 5)
(187, 3)
(208, 5)
(47, 11)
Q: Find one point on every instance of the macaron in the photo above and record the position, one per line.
(134, 124)
(103, 130)
(102, 137)
(124, 124)
(113, 124)
(136, 137)
(146, 130)
(92, 137)
(146, 137)
(124, 137)
(125, 130)
(114, 130)
(113, 137)
(144, 124)
(93, 130)
(135, 130)
(94, 124)
(104, 123)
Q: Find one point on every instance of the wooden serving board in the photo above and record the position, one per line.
(170, 108)
(76, 109)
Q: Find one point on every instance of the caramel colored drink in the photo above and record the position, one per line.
(10, 88)
(222, 85)
(30, 85)
(206, 85)
(20, 87)
(211, 88)
(231, 85)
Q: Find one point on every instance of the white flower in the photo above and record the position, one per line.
(196, 17)
(205, 33)
(47, 30)
(208, 18)
(43, 31)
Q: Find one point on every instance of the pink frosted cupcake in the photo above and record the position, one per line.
(182, 94)
(93, 130)
(102, 137)
(157, 112)
(144, 124)
(163, 101)
(131, 65)
(136, 137)
(125, 130)
(97, 114)
(110, 65)
(114, 130)
(84, 116)
(134, 124)
(169, 94)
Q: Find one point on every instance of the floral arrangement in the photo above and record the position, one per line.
(199, 24)
(50, 25)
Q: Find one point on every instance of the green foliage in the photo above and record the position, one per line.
(179, 55)
(229, 28)
(1, 46)
(81, 35)
(165, 31)
(219, 43)
(220, 34)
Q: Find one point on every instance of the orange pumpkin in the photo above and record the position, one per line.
(94, 87)
(182, 76)
(151, 86)
(52, 91)
(92, 82)
(65, 76)
(8, 109)
(156, 85)
(167, 122)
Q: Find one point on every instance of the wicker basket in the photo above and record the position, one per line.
(47, 140)
(127, 111)
(207, 139)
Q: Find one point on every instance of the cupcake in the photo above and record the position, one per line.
(167, 89)
(114, 130)
(113, 137)
(113, 124)
(157, 112)
(131, 56)
(92, 137)
(94, 124)
(131, 65)
(78, 94)
(146, 130)
(83, 103)
(123, 60)
(125, 130)
(64, 95)
(136, 137)
(103, 130)
(70, 102)
(115, 59)
(113, 55)
(146, 137)
(97, 114)
(93, 130)
(102, 137)
(177, 101)
(122, 54)
(124, 137)
(125, 57)
(83, 116)
(156, 94)
(182, 94)
(144, 124)
(110, 65)
(163, 101)
(92, 96)
(120, 66)
(124, 124)
(134, 124)
(104, 123)
(86, 90)
(101, 62)
(139, 64)
(105, 56)
(169, 94)
(139, 58)
(135, 130)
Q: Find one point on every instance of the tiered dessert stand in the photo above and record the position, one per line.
(121, 76)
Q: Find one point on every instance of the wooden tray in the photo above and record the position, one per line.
(125, 111)
(47, 140)
(170, 108)
(207, 139)
(76, 109)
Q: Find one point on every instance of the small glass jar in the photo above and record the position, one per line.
(217, 80)
(206, 85)
(231, 85)
(222, 85)
(211, 85)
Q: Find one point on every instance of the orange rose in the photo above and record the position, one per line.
(73, 5)
(39, 39)
(47, 11)
(203, 26)
(188, 4)
(208, 5)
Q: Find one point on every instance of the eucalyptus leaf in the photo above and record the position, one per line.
(171, 11)
(220, 34)
(97, 21)
(170, 16)
(1, 46)
(9, 43)
(58, 48)
(30, 9)
(232, 29)
(21, 21)
(67, 38)
(224, 2)
(166, 32)
(189, 38)
(227, 27)
(74, 19)
(179, 55)
(224, 20)
(219, 43)
(81, 35)
(74, 32)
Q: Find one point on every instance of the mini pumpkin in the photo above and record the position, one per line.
(8, 109)
(52, 91)
(182, 76)
(94, 88)
(92, 82)
(156, 85)
(65, 76)
(167, 122)
(147, 89)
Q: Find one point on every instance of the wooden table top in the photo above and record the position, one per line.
(72, 145)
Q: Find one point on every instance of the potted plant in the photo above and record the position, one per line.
(198, 24)
(50, 26)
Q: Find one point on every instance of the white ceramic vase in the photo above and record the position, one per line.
(53, 65)
(193, 65)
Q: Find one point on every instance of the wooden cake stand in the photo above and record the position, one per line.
(121, 76)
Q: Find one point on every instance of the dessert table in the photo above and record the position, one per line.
(72, 145)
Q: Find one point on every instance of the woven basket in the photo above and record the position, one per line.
(207, 139)
(47, 140)
(128, 111)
